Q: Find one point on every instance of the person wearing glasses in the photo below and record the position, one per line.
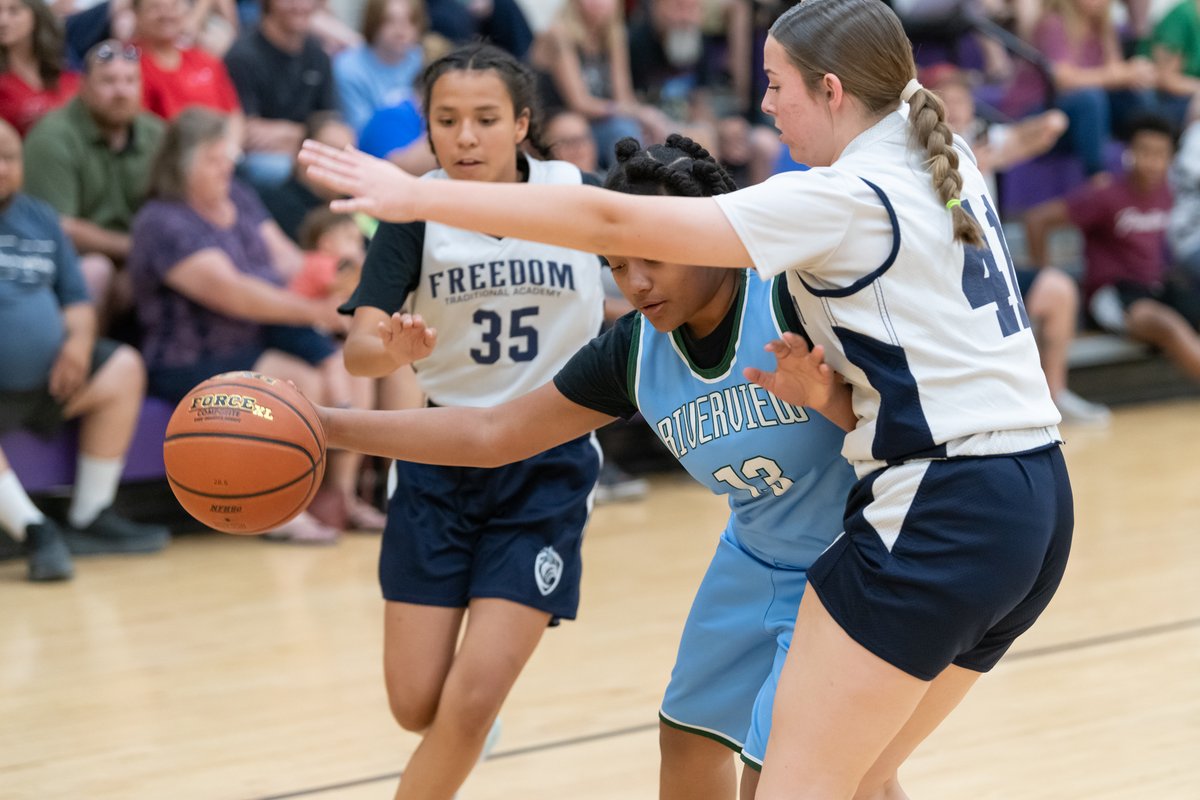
(90, 160)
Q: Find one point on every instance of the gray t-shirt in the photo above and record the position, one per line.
(39, 276)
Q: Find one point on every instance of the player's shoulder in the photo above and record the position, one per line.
(552, 171)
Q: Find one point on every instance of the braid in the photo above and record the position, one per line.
(681, 167)
(929, 132)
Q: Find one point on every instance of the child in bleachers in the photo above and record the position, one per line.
(1130, 285)
(333, 256)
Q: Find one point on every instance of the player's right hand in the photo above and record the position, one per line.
(373, 186)
(406, 338)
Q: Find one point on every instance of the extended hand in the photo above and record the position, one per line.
(374, 186)
(406, 338)
(801, 376)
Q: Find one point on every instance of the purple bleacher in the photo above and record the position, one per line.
(43, 465)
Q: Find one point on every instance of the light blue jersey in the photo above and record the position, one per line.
(779, 464)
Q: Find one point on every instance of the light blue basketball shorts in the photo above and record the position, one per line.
(733, 647)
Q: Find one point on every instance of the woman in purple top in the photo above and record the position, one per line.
(1097, 87)
(210, 297)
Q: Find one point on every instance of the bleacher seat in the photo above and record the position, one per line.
(49, 466)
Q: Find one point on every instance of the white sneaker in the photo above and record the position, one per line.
(489, 744)
(1077, 411)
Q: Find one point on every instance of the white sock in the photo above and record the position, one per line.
(17, 511)
(96, 482)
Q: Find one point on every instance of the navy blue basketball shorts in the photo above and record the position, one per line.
(948, 562)
(513, 532)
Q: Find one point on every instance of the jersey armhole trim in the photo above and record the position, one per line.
(635, 358)
(871, 276)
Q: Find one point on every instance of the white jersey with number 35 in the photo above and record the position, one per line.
(509, 313)
(931, 335)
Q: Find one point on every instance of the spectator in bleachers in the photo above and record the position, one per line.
(90, 159)
(290, 201)
(585, 54)
(1129, 283)
(175, 77)
(53, 368)
(283, 77)
(729, 41)
(382, 71)
(569, 138)
(211, 295)
(1098, 88)
(33, 77)
(501, 22)
(1174, 45)
(666, 53)
(997, 146)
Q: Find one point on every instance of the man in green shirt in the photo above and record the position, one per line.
(91, 158)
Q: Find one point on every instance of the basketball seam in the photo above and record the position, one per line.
(272, 490)
(243, 436)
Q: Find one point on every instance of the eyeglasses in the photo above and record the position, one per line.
(108, 51)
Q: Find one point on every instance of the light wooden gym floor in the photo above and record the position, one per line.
(234, 668)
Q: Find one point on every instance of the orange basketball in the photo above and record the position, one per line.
(244, 452)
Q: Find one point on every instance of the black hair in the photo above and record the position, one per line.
(681, 167)
(1150, 122)
(518, 79)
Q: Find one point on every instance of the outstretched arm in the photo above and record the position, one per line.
(683, 230)
(802, 378)
(466, 437)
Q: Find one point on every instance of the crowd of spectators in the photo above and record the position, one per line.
(149, 182)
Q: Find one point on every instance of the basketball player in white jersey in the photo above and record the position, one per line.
(958, 531)
(679, 361)
(497, 549)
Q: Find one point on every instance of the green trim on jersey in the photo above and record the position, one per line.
(750, 762)
(778, 290)
(722, 367)
(706, 733)
(635, 351)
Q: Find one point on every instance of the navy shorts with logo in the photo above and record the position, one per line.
(948, 562)
(511, 532)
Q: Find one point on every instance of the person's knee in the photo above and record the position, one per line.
(413, 711)
(1155, 322)
(469, 706)
(1053, 294)
(123, 376)
(681, 747)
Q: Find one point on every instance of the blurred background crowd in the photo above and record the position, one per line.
(150, 203)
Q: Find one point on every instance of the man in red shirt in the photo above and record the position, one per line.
(1129, 285)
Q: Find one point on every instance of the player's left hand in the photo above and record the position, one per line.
(406, 338)
(801, 376)
(375, 187)
(70, 370)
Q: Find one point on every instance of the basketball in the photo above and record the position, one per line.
(244, 452)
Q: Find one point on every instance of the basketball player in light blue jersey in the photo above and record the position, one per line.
(958, 530)
(679, 361)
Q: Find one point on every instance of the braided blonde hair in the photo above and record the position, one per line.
(864, 44)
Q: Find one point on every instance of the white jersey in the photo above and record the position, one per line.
(509, 313)
(932, 337)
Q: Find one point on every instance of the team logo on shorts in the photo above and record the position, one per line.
(547, 569)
